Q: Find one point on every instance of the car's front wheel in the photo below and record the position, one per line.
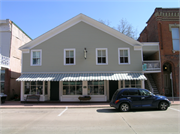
(163, 105)
(124, 107)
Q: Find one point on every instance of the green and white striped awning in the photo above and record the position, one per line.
(81, 76)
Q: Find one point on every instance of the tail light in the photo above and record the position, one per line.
(116, 101)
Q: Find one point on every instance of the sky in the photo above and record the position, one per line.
(36, 17)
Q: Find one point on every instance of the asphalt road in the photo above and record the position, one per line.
(89, 121)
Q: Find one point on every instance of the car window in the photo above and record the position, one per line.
(145, 92)
(134, 92)
(125, 92)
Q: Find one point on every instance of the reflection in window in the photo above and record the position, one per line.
(95, 87)
(72, 88)
(33, 87)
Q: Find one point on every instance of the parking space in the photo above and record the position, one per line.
(89, 120)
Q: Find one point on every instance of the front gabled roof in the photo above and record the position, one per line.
(80, 18)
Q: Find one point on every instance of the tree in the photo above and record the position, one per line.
(123, 27)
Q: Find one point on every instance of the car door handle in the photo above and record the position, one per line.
(142, 97)
(128, 97)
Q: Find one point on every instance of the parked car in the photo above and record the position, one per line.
(3, 97)
(133, 98)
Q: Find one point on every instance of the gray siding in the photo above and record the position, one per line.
(80, 36)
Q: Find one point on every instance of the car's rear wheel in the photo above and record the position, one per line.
(163, 105)
(124, 107)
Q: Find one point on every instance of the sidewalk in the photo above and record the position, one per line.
(56, 105)
(44, 105)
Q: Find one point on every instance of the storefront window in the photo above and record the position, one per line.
(133, 83)
(72, 88)
(95, 87)
(33, 87)
(2, 80)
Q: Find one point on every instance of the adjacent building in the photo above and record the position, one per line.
(11, 38)
(83, 57)
(163, 27)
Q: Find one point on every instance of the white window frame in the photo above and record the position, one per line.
(70, 49)
(129, 62)
(97, 56)
(36, 50)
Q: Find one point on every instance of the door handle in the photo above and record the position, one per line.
(128, 97)
(142, 97)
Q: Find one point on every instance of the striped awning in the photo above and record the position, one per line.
(81, 76)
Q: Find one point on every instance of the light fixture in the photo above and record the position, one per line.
(85, 53)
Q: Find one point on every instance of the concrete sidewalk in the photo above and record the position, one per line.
(54, 105)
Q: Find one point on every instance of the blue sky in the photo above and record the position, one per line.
(35, 17)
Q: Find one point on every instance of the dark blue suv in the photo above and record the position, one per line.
(131, 98)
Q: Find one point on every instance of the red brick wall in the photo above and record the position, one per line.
(157, 30)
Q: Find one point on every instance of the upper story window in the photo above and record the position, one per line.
(101, 56)
(175, 38)
(123, 56)
(69, 57)
(36, 57)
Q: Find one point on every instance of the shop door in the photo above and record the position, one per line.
(54, 90)
(113, 86)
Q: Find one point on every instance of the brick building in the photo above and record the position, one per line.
(163, 27)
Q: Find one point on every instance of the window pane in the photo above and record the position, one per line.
(71, 60)
(72, 90)
(90, 83)
(103, 53)
(67, 60)
(33, 89)
(67, 54)
(95, 90)
(26, 90)
(133, 92)
(125, 52)
(125, 59)
(175, 33)
(39, 83)
(39, 90)
(121, 60)
(99, 53)
(79, 83)
(33, 83)
(90, 90)
(121, 53)
(65, 82)
(99, 60)
(65, 90)
(125, 92)
(2, 75)
(79, 90)
(175, 44)
(126, 83)
(35, 61)
(36, 54)
(101, 83)
(104, 60)
(71, 54)
(72, 83)
(101, 90)
(95, 82)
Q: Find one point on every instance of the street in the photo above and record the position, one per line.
(89, 121)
